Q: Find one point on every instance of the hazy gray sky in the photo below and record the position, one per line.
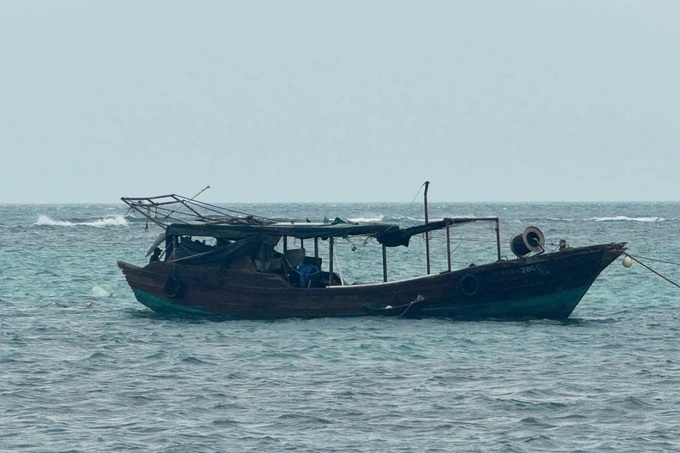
(277, 101)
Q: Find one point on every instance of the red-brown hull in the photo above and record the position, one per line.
(545, 286)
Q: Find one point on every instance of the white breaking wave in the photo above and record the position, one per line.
(98, 291)
(366, 219)
(623, 218)
(117, 220)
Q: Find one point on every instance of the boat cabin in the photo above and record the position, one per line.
(269, 247)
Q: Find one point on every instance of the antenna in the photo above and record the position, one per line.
(427, 233)
(204, 189)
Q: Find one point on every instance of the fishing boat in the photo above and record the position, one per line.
(213, 261)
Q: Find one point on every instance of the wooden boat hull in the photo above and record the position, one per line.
(548, 285)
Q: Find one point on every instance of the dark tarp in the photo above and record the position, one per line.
(390, 235)
(397, 237)
(402, 236)
(197, 253)
(299, 231)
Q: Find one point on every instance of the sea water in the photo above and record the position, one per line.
(85, 367)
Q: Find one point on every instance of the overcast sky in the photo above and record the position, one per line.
(340, 101)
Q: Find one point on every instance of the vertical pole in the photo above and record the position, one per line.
(427, 233)
(330, 261)
(498, 239)
(384, 256)
(448, 242)
(175, 247)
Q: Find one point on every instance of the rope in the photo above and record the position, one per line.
(652, 270)
(414, 199)
(419, 298)
(337, 264)
(408, 208)
(657, 260)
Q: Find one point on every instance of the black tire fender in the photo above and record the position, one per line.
(468, 285)
(173, 287)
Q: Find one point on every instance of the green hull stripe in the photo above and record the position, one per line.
(556, 306)
(163, 306)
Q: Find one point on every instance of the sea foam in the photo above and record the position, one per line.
(623, 218)
(116, 220)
